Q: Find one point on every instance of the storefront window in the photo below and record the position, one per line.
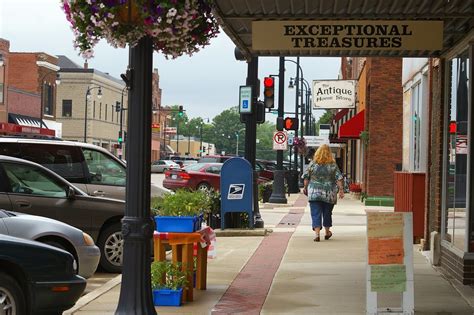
(455, 213)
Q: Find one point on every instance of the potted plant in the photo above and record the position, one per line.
(355, 189)
(182, 211)
(265, 191)
(214, 215)
(167, 282)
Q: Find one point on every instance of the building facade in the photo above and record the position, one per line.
(87, 106)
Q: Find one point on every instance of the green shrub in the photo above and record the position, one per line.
(182, 203)
(166, 275)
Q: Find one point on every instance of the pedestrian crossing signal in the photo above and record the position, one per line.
(291, 123)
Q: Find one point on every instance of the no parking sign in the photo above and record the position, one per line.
(280, 140)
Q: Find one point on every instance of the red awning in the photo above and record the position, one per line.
(352, 128)
(341, 114)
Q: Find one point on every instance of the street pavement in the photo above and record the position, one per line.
(286, 272)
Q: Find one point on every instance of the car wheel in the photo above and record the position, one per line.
(12, 300)
(204, 187)
(61, 246)
(164, 170)
(110, 243)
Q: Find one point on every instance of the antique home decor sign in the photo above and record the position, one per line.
(334, 94)
(390, 259)
(347, 35)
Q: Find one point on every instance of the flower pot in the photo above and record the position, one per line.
(165, 297)
(128, 13)
(178, 224)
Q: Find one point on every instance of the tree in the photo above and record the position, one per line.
(225, 126)
(326, 118)
(265, 141)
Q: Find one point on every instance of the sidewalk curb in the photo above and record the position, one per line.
(91, 296)
(242, 232)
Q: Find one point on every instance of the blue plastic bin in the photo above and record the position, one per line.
(164, 297)
(177, 224)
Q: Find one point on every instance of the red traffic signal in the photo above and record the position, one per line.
(268, 82)
(269, 92)
(291, 123)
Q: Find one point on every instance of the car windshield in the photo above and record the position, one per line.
(194, 167)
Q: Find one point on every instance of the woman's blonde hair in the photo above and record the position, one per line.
(323, 155)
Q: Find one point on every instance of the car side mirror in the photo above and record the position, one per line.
(71, 193)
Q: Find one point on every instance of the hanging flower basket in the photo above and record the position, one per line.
(300, 144)
(176, 27)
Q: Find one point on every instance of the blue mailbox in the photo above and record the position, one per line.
(236, 188)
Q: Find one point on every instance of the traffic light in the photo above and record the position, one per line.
(118, 107)
(291, 123)
(269, 92)
(120, 139)
(180, 111)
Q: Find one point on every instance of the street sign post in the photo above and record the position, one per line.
(245, 99)
(280, 140)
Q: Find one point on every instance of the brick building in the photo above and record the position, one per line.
(29, 83)
(379, 114)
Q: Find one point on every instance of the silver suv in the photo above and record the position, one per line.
(89, 167)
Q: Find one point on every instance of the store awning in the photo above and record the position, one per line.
(236, 17)
(352, 128)
(23, 120)
(340, 114)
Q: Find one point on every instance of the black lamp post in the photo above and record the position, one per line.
(88, 96)
(278, 189)
(58, 81)
(298, 70)
(137, 225)
(121, 123)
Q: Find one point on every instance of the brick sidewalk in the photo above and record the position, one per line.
(248, 291)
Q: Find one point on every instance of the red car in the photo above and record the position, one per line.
(203, 176)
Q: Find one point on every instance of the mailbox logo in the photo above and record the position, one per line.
(236, 191)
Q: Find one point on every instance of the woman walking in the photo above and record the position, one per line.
(322, 180)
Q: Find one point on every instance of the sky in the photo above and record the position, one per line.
(205, 84)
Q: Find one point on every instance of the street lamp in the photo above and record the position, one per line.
(200, 136)
(58, 81)
(121, 118)
(237, 134)
(88, 97)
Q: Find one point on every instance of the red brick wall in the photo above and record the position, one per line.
(24, 103)
(26, 76)
(384, 123)
(4, 50)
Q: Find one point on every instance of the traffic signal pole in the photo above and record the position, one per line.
(251, 135)
(278, 191)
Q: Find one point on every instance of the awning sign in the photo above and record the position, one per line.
(334, 94)
(236, 191)
(350, 35)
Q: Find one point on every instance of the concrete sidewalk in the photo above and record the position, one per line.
(312, 278)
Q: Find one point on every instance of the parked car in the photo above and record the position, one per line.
(30, 188)
(36, 278)
(161, 166)
(89, 167)
(214, 158)
(52, 232)
(203, 176)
